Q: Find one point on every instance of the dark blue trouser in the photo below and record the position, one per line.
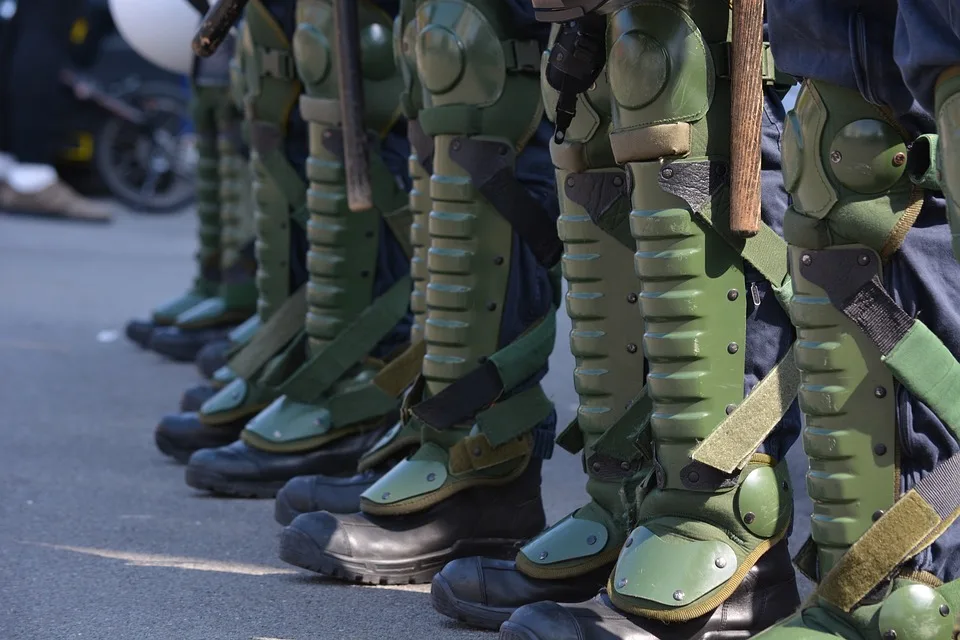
(927, 41)
(851, 50)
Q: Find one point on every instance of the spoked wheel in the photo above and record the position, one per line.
(150, 167)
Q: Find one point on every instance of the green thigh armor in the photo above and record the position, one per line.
(339, 390)
(481, 104)
(707, 519)
(605, 341)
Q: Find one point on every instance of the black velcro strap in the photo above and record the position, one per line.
(422, 145)
(877, 315)
(490, 165)
(463, 399)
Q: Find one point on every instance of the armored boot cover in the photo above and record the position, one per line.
(358, 289)
(489, 324)
(572, 559)
(721, 500)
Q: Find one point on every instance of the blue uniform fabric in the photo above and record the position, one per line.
(927, 41)
(922, 276)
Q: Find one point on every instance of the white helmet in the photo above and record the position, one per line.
(159, 30)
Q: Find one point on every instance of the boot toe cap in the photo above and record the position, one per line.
(310, 537)
(212, 356)
(228, 461)
(194, 397)
(296, 497)
(464, 579)
(140, 331)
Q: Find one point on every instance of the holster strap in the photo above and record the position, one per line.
(501, 372)
(271, 338)
(312, 380)
(610, 459)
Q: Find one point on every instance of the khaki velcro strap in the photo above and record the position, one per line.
(474, 453)
(275, 333)
(401, 372)
(907, 528)
(732, 444)
(651, 143)
(320, 110)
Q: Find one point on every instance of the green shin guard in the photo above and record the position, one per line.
(479, 107)
(338, 392)
(947, 111)
(605, 341)
(700, 530)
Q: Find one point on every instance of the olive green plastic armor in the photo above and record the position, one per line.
(948, 125)
(477, 88)
(342, 258)
(699, 530)
(205, 113)
(279, 194)
(236, 213)
(847, 394)
(605, 337)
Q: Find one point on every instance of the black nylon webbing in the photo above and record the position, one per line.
(941, 488)
(463, 399)
(877, 315)
(490, 165)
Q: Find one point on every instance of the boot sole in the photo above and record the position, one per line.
(512, 631)
(469, 613)
(298, 549)
(219, 485)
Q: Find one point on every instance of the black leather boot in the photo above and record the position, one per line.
(486, 521)
(307, 494)
(246, 472)
(179, 435)
(483, 592)
(767, 595)
(194, 397)
(183, 346)
(212, 356)
(140, 332)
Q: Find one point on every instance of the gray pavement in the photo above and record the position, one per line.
(99, 536)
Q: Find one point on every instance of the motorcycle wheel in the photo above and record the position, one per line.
(151, 168)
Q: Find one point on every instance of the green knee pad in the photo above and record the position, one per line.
(699, 527)
(279, 194)
(481, 103)
(337, 391)
(947, 111)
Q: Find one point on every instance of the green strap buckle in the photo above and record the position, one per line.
(276, 63)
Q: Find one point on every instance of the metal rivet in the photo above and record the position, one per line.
(749, 517)
(733, 347)
(631, 298)
(455, 145)
(631, 348)
(880, 449)
(628, 543)
(570, 181)
(863, 260)
(880, 392)
(477, 452)
(591, 540)
(431, 477)
(806, 259)
(621, 583)
(625, 466)
(835, 156)
(277, 434)
(543, 555)
(385, 496)
(732, 295)
(944, 610)
(720, 563)
(899, 158)
(889, 634)
(491, 306)
(498, 260)
(560, 57)
(730, 408)
(617, 181)
(595, 466)
(666, 172)
(678, 595)
(877, 514)
(693, 476)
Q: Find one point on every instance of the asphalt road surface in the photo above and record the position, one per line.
(99, 536)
